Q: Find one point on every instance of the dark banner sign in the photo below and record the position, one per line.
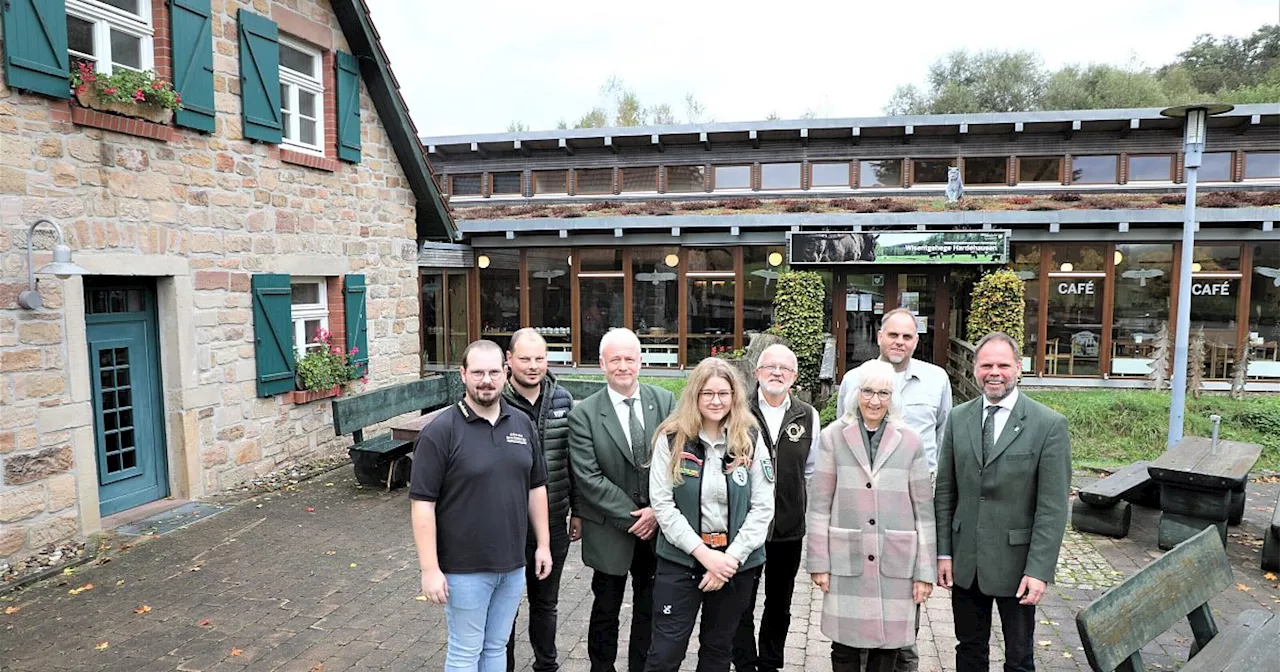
(917, 247)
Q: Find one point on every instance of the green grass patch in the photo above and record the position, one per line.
(1110, 428)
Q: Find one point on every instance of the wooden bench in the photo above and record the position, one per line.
(383, 459)
(1271, 547)
(1114, 628)
(1103, 507)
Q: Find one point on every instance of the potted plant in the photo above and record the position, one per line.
(130, 93)
(324, 371)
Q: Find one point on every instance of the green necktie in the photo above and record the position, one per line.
(989, 433)
(637, 432)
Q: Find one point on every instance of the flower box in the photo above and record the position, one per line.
(308, 396)
(89, 98)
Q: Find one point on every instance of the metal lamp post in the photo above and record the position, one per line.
(61, 266)
(1193, 148)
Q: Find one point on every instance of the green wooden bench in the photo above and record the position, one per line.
(1271, 547)
(1114, 628)
(382, 459)
(1103, 507)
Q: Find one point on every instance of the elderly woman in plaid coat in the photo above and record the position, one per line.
(872, 545)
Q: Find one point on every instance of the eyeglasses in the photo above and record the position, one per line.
(775, 368)
(708, 395)
(481, 375)
(882, 395)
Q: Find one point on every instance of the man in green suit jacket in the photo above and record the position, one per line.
(1004, 476)
(610, 438)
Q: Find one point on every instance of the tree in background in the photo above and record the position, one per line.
(1229, 69)
(623, 108)
(998, 303)
(798, 308)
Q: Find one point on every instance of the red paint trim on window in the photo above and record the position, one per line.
(308, 160)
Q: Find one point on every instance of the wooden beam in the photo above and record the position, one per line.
(941, 313)
(682, 307)
(575, 306)
(564, 144)
(839, 321)
(525, 315)
(1242, 302)
(1108, 310)
(627, 291)
(1042, 317)
(739, 297)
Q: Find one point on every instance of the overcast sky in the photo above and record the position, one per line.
(476, 66)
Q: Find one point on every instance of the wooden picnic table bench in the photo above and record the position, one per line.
(384, 459)
(1103, 507)
(1114, 628)
(1201, 486)
(1271, 545)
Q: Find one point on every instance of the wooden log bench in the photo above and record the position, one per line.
(1114, 628)
(1271, 546)
(384, 460)
(1201, 485)
(1103, 507)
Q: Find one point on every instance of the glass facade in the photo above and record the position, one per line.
(499, 294)
(1151, 168)
(1144, 278)
(733, 177)
(640, 178)
(1215, 167)
(780, 176)
(761, 267)
(829, 174)
(683, 179)
(550, 300)
(1094, 169)
(1215, 291)
(655, 304)
(930, 171)
(884, 173)
(1039, 169)
(710, 282)
(1073, 326)
(600, 287)
(1025, 262)
(986, 170)
(1263, 339)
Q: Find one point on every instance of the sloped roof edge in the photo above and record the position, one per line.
(434, 220)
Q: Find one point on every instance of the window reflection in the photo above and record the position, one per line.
(655, 301)
(549, 300)
(1158, 168)
(1039, 169)
(882, 173)
(1073, 327)
(1094, 169)
(600, 282)
(1215, 288)
(733, 177)
(1025, 263)
(499, 294)
(780, 176)
(710, 282)
(1144, 277)
(1263, 339)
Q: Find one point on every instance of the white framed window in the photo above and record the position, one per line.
(111, 34)
(302, 96)
(309, 306)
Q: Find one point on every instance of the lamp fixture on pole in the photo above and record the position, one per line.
(1196, 116)
(61, 266)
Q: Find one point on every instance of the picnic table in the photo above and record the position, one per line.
(407, 430)
(1201, 485)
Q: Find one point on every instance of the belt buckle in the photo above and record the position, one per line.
(715, 539)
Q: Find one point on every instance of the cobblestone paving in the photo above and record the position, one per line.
(324, 577)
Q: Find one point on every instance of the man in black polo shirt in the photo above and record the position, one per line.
(479, 479)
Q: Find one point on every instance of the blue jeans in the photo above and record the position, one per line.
(479, 613)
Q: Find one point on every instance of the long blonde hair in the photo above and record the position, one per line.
(685, 422)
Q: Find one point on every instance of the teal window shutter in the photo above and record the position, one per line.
(192, 24)
(35, 46)
(260, 77)
(348, 107)
(273, 333)
(357, 321)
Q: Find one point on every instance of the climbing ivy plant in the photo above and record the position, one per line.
(798, 308)
(998, 304)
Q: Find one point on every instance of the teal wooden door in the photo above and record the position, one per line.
(124, 360)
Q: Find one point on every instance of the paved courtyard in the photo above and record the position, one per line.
(323, 577)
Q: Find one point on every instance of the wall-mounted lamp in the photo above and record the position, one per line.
(482, 261)
(672, 260)
(775, 258)
(1119, 257)
(1196, 267)
(62, 267)
(1067, 267)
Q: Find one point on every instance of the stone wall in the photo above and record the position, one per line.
(201, 214)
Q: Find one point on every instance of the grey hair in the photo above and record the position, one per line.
(616, 335)
(896, 311)
(779, 347)
(873, 373)
(998, 337)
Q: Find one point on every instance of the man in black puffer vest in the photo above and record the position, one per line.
(790, 429)
(534, 391)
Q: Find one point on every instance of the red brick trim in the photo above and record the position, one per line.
(329, 63)
(162, 40)
(333, 287)
(112, 122)
(308, 160)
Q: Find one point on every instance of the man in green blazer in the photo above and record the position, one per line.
(1004, 476)
(610, 438)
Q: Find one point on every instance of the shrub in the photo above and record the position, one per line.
(1020, 200)
(799, 304)
(1220, 199)
(1103, 203)
(1066, 197)
(602, 205)
(901, 206)
(997, 304)
(844, 203)
(565, 212)
(1038, 207)
(742, 203)
(796, 206)
(659, 207)
(1173, 199)
(1265, 198)
(694, 206)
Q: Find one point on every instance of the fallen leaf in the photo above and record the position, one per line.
(12, 610)
(1066, 654)
(421, 598)
(68, 571)
(330, 552)
(81, 589)
(1269, 576)
(329, 484)
(1044, 642)
(311, 509)
(102, 646)
(142, 610)
(120, 582)
(1243, 588)
(236, 652)
(318, 667)
(205, 623)
(353, 565)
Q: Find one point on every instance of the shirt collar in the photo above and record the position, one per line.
(1006, 403)
(615, 398)
(724, 440)
(765, 406)
(469, 415)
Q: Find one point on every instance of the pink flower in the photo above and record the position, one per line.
(82, 89)
(139, 95)
(335, 350)
(177, 97)
(364, 380)
(355, 351)
(156, 85)
(110, 90)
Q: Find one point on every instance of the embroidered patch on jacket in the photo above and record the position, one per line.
(691, 457)
(740, 475)
(766, 465)
(690, 472)
(518, 438)
(794, 431)
(558, 414)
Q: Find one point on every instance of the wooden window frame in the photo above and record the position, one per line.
(452, 185)
(1115, 176)
(715, 168)
(799, 175)
(902, 184)
(519, 192)
(1062, 167)
(1244, 165)
(622, 179)
(848, 178)
(300, 314)
(534, 181)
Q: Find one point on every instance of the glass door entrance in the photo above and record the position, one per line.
(864, 305)
(917, 293)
